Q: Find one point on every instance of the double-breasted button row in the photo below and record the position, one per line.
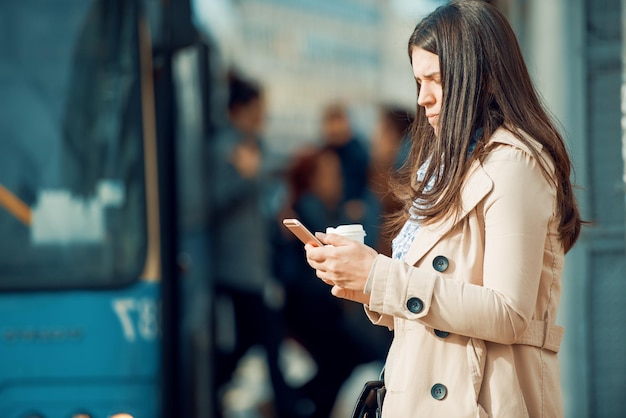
(415, 305)
(439, 391)
(441, 263)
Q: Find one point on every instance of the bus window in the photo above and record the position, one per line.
(72, 203)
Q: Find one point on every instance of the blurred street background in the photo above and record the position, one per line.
(149, 150)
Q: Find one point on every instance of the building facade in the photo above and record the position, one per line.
(309, 53)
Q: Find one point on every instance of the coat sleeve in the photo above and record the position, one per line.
(379, 319)
(517, 213)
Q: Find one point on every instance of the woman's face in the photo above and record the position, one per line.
(428, 76)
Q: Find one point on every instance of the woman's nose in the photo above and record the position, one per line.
(424, 96)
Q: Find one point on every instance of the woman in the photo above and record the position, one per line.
(473, 287)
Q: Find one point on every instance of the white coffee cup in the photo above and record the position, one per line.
(354, 232)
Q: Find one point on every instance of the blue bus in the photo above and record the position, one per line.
(104, 243)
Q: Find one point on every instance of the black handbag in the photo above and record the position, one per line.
(370, 401)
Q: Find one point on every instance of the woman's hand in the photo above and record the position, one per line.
(344, 264)
(354, 295)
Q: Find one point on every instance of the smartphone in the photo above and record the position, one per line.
(302, 232)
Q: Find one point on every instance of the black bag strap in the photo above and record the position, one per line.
(369, 403)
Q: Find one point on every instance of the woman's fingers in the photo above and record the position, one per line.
(353, 295)
(343, 262)
(336, 240)
(316, 263)
(325, 277)
(315, 254)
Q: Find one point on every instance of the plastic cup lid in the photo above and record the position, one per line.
(347, 229)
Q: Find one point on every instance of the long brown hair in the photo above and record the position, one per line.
(485, 85)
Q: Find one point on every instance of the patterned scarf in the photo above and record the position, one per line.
(402, 243)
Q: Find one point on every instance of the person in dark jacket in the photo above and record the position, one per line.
(241, 249)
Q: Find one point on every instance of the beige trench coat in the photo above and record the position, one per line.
(474, 303)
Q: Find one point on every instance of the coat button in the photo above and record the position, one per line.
(438, 391)
(415, 305)
(440, 263)
(441, 334)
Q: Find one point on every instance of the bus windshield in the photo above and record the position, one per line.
(72, 199)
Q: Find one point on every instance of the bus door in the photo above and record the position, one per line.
(185, 84)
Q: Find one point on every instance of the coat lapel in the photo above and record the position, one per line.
(478, 185)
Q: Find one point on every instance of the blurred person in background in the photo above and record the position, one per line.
(337, 338)
(338, 134)
(389, 150)
(242, 263)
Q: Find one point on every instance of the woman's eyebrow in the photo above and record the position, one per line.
(429, 76)
(433, 74)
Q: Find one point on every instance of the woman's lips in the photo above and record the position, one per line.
(432, 119)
